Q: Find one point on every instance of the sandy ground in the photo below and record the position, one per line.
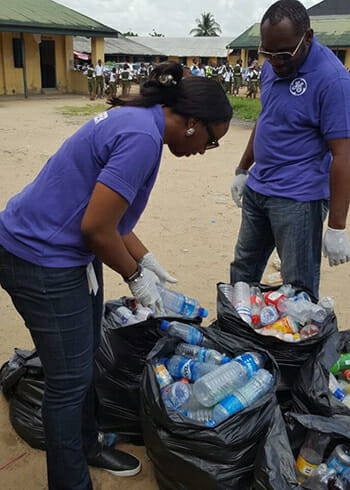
(190, 224)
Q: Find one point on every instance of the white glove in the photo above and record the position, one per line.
(336, 246)
(237, 187)
(149, 261)
(145, 290)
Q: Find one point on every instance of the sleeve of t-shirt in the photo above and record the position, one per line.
(335, 110)
(130, 164)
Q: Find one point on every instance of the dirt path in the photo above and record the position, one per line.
(190, 224)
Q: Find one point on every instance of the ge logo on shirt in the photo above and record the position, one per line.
(298, 87)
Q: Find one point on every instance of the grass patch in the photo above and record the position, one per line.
(243, 108)
(86, 110)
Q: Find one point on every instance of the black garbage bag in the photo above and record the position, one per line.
(187, 455)
(337, 427)
(289, 356)
(275, 464)
(22, 382)
(119, 364)
(310, 392)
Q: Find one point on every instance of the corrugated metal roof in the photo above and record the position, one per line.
(211, 46)
(331, 7)
(332, 31)
(47, 16)
(118, 46)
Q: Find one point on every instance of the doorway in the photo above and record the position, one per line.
(48, 64)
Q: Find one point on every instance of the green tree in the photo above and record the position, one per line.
(206, 26)
(130, 34)
(155, 34)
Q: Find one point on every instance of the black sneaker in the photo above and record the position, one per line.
(117, 462)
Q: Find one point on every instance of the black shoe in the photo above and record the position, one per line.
(116, 462)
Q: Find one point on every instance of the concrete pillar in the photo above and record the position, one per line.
(69, 61)
(97, 49)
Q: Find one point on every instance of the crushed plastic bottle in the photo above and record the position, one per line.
(274, 298)
(339, 459)
(201, 354)
(125, 316)
(287, 290)
(243, 397)
(202, 415)
(227, 290)
(327, 303)
(177, 394)
(320, 477)
(308, 331)
(335, 388)
(268, 315)
(342, 364)
(180, 304)
(284, 325)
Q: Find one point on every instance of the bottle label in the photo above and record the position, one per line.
(337, 465)
(202, 354)
(232, 404)
(185, 369)
(195, 337)
(274, 296)
(249, 363)
(162, 375)
(304, 467)
(189, 305)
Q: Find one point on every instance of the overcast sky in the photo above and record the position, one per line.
(174, 18)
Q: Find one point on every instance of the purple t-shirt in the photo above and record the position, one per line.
(298, 117)
(122, 149)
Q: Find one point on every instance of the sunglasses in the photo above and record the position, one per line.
(212, 141)
(281, 55)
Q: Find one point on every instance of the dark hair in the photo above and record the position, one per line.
(292, 10)
(198, 97)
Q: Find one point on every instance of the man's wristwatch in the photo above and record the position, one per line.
(135, 276)
(240, 171)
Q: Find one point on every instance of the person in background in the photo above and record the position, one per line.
(186, 72)
(226, 74)
(300, 148)
(253, 81)
(201, 71)
(99, 79)
(195, 71)
(142, 75)
(125, 77)
(237, 77)
(90, 73)
(80, 212)
(113, 82)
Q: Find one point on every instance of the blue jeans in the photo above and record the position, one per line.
(293, 227)
(64, 321)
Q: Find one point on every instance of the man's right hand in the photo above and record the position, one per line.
(237, 187)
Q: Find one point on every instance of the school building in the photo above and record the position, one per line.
(189, 50)
(36, 46)
(330, 21)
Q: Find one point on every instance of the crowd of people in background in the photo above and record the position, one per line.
(104, 80)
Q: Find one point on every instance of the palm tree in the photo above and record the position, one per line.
(206, 26)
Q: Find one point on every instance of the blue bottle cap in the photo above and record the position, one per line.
(340, 394)
(203, 312)
(163, 360)
(226, 359)
(164, 325)
(210, 423)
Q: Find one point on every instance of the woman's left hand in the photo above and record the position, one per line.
(149, 261)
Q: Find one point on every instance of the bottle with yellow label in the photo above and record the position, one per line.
(311, 454)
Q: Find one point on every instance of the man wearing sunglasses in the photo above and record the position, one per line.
(300, 148)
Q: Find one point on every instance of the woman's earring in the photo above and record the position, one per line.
(190, 132)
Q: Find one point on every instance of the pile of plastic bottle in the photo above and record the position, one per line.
(315, 473)
(174, 303)
(339, 378)
(285, 314)
(204, 384)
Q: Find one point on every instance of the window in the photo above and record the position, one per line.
(17, 52)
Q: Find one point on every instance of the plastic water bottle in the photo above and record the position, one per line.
(320, 477)
(252, 361)
(188, 333)
(241, 301)
(176, 395)
(274, 298)
(287, 290)
(227, 290)
(125, 316)
(162, 374)
(335, 388)
(182, 367)
(339, 459)
(256, 304)
(143, 313)
(327, 304)
(268, 315)
(257, 386)
(311, 454)
(202, 415)
(180, 304)
(201, 354)
(342, 364)
(214, 386)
